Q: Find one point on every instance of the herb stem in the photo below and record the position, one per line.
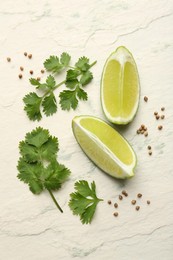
(53, 198)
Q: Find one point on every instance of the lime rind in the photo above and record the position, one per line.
(122, 55)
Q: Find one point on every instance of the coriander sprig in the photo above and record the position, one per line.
(38, 166)
(77, 78)
(84, 201)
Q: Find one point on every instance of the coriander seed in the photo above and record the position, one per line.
(162, 108)
(25, 53)
(120, 197)
(162, 116)
(145, 99)
(109, 202)
(149, 147)
(150, 153)
(157, 117)
(38, 78)
(133, 202)
(21, 68)
(31, 72)
(42, 71)
(139, 195)
(30, 56)
(115, 214)
(146, 134)
(160, 127)
(8, 59)
(155, 113)
(137, 208)
(148, 202)
(116, 205)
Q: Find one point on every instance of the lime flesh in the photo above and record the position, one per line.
(120, 87)
(104, 146)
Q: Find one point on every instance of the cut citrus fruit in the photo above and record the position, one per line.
(104, 146)
(120, 87)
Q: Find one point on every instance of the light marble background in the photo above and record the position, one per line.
(30, 226)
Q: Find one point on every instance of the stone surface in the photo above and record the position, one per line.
(30, 226)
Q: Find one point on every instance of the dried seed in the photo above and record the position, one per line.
(148, 202)
(145, 99)
(142, 132)
(142, 126)
(42, 71)
(109, 202)
(162, 108)
(25, 53)
(138, 131)
(155, 113)
(139, 195)
(162, 116)
(116, 205)
(149, 147)
(160, 127)
(133, 202)
(8, 59)
(150, 153)
(31, 72)
(30, 56)
(145, 128)
(120, 197)
(21, 68)
(157, 117)
(115, 214)
(137, 208)
(38, 78)
(20, 76)
(146, 134)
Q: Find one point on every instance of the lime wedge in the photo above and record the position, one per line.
(120, 87)
(104, 146)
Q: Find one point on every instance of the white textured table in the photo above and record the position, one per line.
(30, 226)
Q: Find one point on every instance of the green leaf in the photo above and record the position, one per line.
(49, 104)
(82, 94)
(49, 149)
(86, 78)
(84, 201)
(50, 81)
(53, 64)
(65, 59)
(72, 74)
(34, 82)
(32, 106)
(38, 166)
(56, 175)
(83, 64)
(72, 83)
(68, 99)
(37, 137)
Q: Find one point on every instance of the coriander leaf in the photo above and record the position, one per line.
(86, 78)
(50, 81)
(83, 64)
(53, 64)
(49, 149)
(56, 174)
(38, 166)
(82, 94)
(72, 74)
(49, 104)
(68, 99)
(71, 83)
(30, 173)
(84, 201)
(32, 106)
(65, 59)
(34, 82)
(37, 137)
